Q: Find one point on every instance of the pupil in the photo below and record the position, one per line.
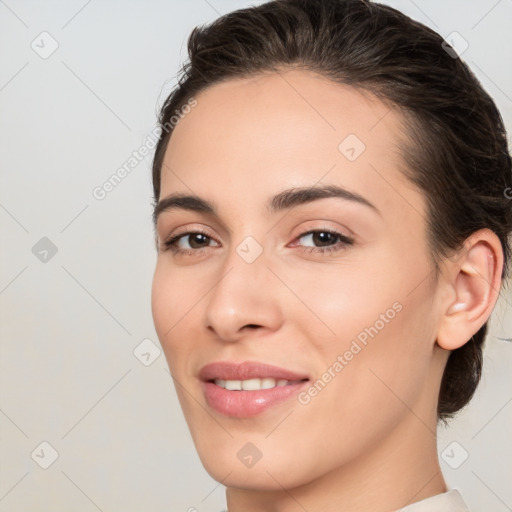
(196, 237)
(323, 237)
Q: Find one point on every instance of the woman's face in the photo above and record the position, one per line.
(333, 287)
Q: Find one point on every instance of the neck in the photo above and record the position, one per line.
(396, 472)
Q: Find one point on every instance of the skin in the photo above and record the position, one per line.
(367, 441)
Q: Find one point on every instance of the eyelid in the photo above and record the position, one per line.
(324, 230)
(175, 236)
(173, 221)
(305, 228)
(191, 227)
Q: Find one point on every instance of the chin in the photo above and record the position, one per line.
(270, 468)
(261, 477)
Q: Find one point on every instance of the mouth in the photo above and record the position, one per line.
(255, 384)
(248, 389)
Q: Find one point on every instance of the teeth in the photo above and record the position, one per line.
(250, 384)
(233, 385)
(268, 383)
(253, 384)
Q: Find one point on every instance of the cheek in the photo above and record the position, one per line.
(381, 324)
(342, 300)
(173, 296)
(385, 291)
(375, 386)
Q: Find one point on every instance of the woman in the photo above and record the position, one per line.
(332, 236)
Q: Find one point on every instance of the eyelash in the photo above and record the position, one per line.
(345, 241)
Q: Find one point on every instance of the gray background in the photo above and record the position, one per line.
(70, 321)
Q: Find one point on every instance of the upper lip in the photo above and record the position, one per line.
(227, 370)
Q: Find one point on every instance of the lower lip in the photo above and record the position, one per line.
(243, 404)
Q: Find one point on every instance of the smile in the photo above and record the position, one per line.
(247, 389)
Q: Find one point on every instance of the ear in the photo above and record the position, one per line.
(474, 281)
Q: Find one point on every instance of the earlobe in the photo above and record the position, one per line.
(475, 280)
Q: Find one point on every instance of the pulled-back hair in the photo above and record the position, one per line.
(457, 150)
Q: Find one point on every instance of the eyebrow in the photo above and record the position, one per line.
(282, 201)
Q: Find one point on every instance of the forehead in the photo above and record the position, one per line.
(283, 129)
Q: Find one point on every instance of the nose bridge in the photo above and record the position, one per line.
(243, 293)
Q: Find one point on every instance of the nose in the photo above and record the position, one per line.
(245, 299)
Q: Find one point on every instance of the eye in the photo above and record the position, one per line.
(326, 239)
(196, 242)
(189, 242)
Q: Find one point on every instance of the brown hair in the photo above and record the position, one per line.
(457, 154)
